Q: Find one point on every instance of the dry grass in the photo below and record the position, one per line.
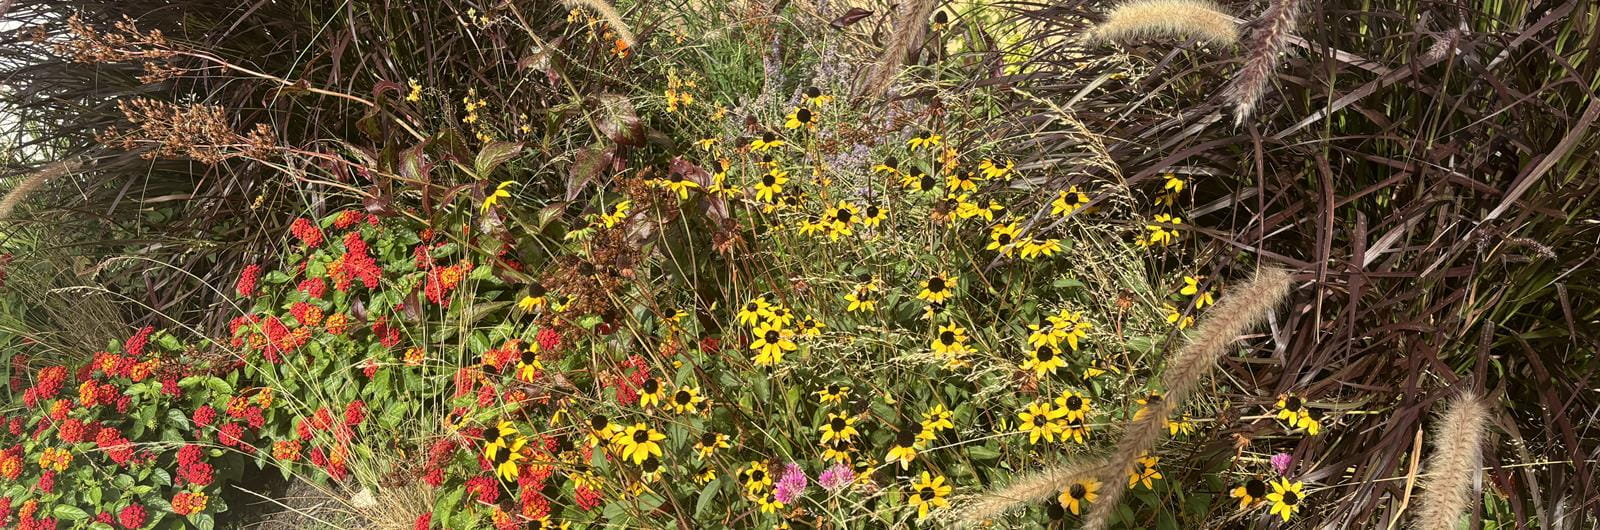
(1190, 19)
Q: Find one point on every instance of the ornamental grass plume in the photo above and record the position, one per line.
(27, 185)
(1197, 19)
(910, 24)
(611, 16)
(1263, 47)
(1037, 487)
(1235, 314)
(1456, 461)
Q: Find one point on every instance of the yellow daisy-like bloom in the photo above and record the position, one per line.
(840, 426)
(833, 393)
(639, 442)
(768, 502)
(925, 139)
(951, 340)
(534, 298)
(704, 476)
(686, 400)
(927, 493)
(651, 392)
(771, 185)
(617, 215)
(1073, 405)
(719, 183)
(1184, 426)
(1068, 201)
(810, 327)
(754, 311)
(801, 117)
(709, 443)
(601, 430)
(1079, 494)
(938, 419)
(496, 438)
(416, 90)
(780, 315)
(770, 344)
(1074, 429)
(873, 215)
(505, 461)
(1293, 412)
(904, 449)
(961, 181)
(1286, 497)
(1174, 183)
(890, 166)
(765, 142)
(840, 218)
(1251, 492)
(937, 288)
(861, 300)
(544, 523)
(812, 225)
(838, 451)
(1003, 238)
(528, 365)
(816, 97)
(1174, 316)
(705, 143)
(1161, 235)
(1043, 361)
(993, 170)
(916, 180)
(676, 182)
(499, 192)
(755, 477)
(1040, 248)
(1038, 421)
(1191, 288)
(1145, 405)
(1144, 472)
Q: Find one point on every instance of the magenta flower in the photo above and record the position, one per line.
(836, 477)
(791, 484)
(1281, 463)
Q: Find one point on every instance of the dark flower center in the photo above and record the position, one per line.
(947, 338)
(1074, 403)
(598, 422)
(1291, 498)
(803, 115)
(708, 439)
(925, 183)
(1004, 239)
(873, 210)
(926, 493)
(843, 216)
(935, 284)
(833, 389)
(492, 433)
(641, 436)
(768, 180)
(770, 337)
(813, 92)
(651, 464)
(1078, 491)
(1255, 488)
(906, 438)
(1292, 404)
(768, 137)
(1045, 354)
(837, 424)
(757, 475)
(682, 397)
(675, 177)
(892, 163)
(650, 386)
(536, 289)
(529, 357)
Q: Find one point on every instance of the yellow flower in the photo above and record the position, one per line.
(639, 442)
(1080, 493)
(838, 451)
(705, 143)
(677, 183)
(1034, 247)
(619, 212)
(495, 196)
(961, 181)
(1174, 316)
(951, 340)
(1192, 288)
(1184, 425)
(904, 449)
(765, 142)
(924, 139)
(1251, 492)
(1144, 471)
(937, 419)
(1068, 201)
(416, 90)
(833, 393)
(1174, 183)
(771, 185)
(770, 344)
(1003, 237)
(754, 311)
(1038, 421)
(801, 117)
(505, 462)
(1161, 235)
(1073, 405)
(709, 443)
(1286, 497)
(650, 393)
(1074, 429)
(861, 300)
(919, 181)
(839, 218)
(816, 97)
(890, 166)
(1044, 361)
(937, 289)
(602, 430)
(755, 477)
(929, 492)
(528, 365)
(686, 399)
(840, 426)
(992, 170)
(495, 436)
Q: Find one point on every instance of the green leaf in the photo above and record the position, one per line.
(394, 413)
(707, 494)
(494, 154)
(69, 512)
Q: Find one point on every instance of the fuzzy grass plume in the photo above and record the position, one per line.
(611, 16)
(1263, 47)
(27, 185)
(1237, 313)
(1197, 19)
(909, 27)
(1456, 461)
(1038, 487)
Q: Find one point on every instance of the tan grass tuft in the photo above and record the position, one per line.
(909, 27)
(1238, 312)
(1262, 49)
(1030, 489)
(1198, 19)
(31, 183)
(1456, 461)
(611, 16)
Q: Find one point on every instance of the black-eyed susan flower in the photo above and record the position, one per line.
(1191, 288)
(505, 461)
(497, 437)
(1079, 494)
(1144, 472)
(968, 210)
(995, 170)
(801, 117)
(639, 442)
(934, 310)
(1296, 415)
(1074, 429)
(1160, 234)
(709, 443)
(1043, 361)
(532, 298)
(673, 315)
(1073, 405)
(927, 493)
(889, 165)
(754, 311)
(840, 219)
(951, 340)
(768, 501)
(1146, 404)
(937, 419)
(678, 183)
(780, 315)
(706, 144)
(1069, 326)
(765, 142)
(618, 213)
(838, 451)
(650, 393)
(650, 469)
(873, 214)
(834, 393)
(810, 327)
(937, 288)
(770, 343)
(840, 426)
(771, 185)
(961, 181)
(686, 400)
(904, 448)
(812, 225)
(500, 192)
(1038, 421)
(601, 430)
(861, 300)
(1068, 201)
(1286, 497)
(815, 97)
(924, 139)
(940, 21)
(1183, 425)
(916, 180)
(1003, 237)
(528, 365)
(544, 523)
(705, 476)
(755, 477)
(1249, 493)
(1034, 247)
(1174, 316)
